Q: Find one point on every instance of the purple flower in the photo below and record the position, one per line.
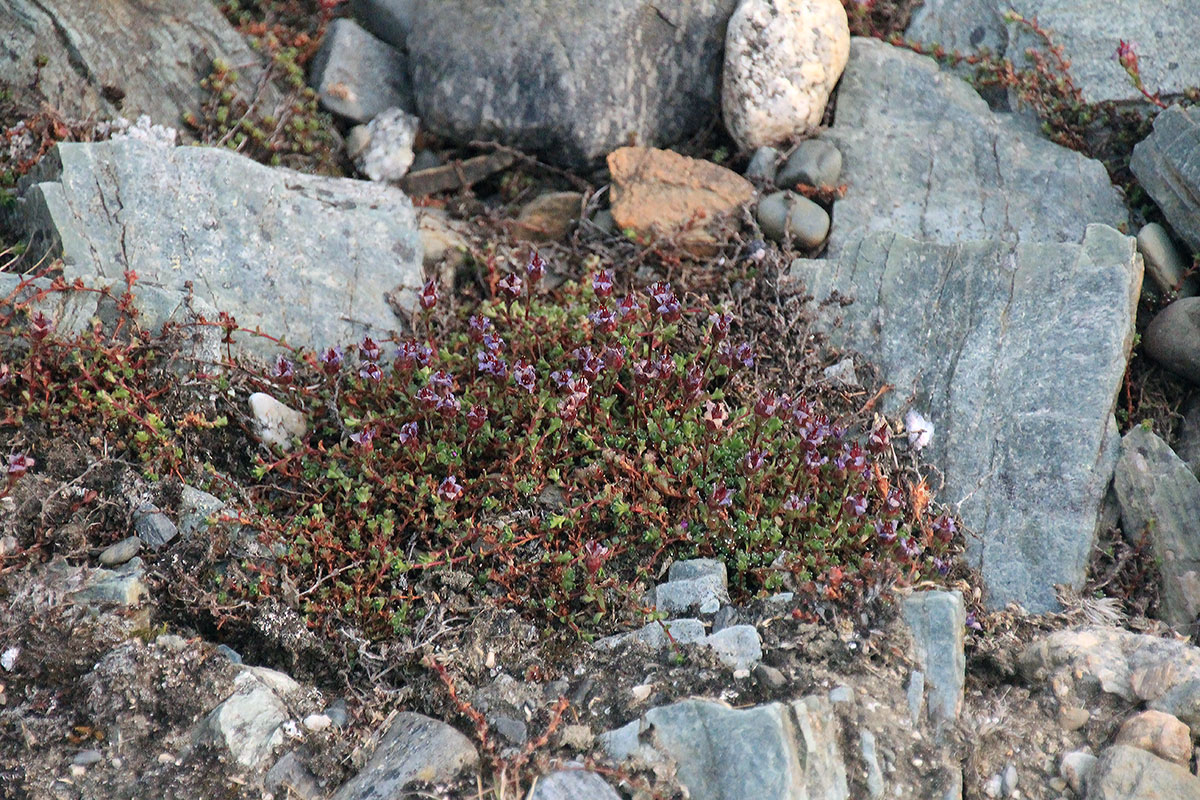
(661, 292)
(370, 372)
(441, 380)
(594, 554)
(941, 565)
(491, 364)
(448, 405)
(614, 356)
(745, 354)
(814, 460)
(476, 416)
(628, 306)
(944, 528)
(428, 397)
(592, 367)
(450, 489)
(477, 326)
(412, 354)
(364, 438)
(579, 388)
(893, 502)
(645, 371)
(602, 283)
(428, 297)
(973, 623)
(795, 503)
(721, 497)
(693, 380)
(715, 415)
(754, 460)
(604, 319)
(879, 439)
(331, 360)
(19, 464)
(767, 405)
(368, 349)
(855, 505)
(510, 284)
(525, 376)
(535, 269)
(910, 547)
(720, 325)
(283, 372)
(40, 326)
(561, 377)
(493, 342)
(408, 434)
(886, 531)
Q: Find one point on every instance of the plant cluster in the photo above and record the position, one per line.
(560, 449)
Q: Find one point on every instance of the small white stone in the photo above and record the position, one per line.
(77, 770)
(166, 758)
(317, 722)
(388, 152)
(8, 659)
(276, 423)
(641, 692)
(291, 729)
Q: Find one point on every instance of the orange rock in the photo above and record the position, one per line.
(1159, 733)
(661, 194)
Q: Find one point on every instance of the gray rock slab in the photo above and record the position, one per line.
(1188, 444)
(358, 76)
(704, 594)
(196, 508)
(739, 647)
(937, 621)
(924, 156)
(306, 258)
(122, 585)
(1167, 164)
(1129, 773)
(1015, 354)
(390, 20)
(1164, 264)
(248, 722)
(153, 527)
(819, 732)
(655, 634)
(415, 748)
(698, 568)
(1160, 495)
(153, 54)
(1087, 30)
(570, 81)
(1173, 338)
(1134, 667)
(573, 784)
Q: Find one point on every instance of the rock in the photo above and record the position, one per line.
(937, 621)
(842, 373)
(763, 166)
(87, 757)
(415, 748)
(571, 82)
(389, 149)
(1165, 266)
(1114, 661)
(338, 713)
(782, 59)
(703, 594)
(769, 751)
(390, 20)
(870, 757)
(1187, 446)
(249, 722)
(358, 76)
(726, 617)
(275, 424)
(1008, 781)
(238, 231)
(1017, 352)
(841, 694)
(788, 214)
(442, 238)
(1160, 496)
(122, 586)
(357, 140)
(8, 545)
(1075, 768)
(916, 695)
(317, 722)
(513, 731)
(289, 778)
(655, 634)
(1087, 31)
(926, 158)
(124, 57)
(1159, 733)
(548, 217)
(576, 737)
(573, 784)
(1173, 338)
(121, 552)
(1072, 718)
(771, 678)
(994, 786)
(426, 159)
(1127, 773)
(660, 194)
(1166, 166)
(738, 647)
(195, 509)
(153, 527)
(691, 568)
(814, 162)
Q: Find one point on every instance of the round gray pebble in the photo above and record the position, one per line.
(763, 165)
(815, 162)
(1173, 338)
(787, 213)
(120, 552)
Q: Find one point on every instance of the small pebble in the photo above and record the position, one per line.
(763, 165)
(994, 786)
(8, 546)
(85, 757)
(121, 552)
(769, 677)
(641, 692)
(274, 422)
(783, 214)
(1075, 767)
(78, 770)
(233, 655)
(814, 162)
(841, 694)
(425, 159)
(317, 722)
(1071, 718)
(337, 713)
(1009, 780)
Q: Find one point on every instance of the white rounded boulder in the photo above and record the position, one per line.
(782, 59)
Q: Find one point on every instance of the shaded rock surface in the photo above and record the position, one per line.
(573, 784)
(248, 723)
(937, 621)
(307, 258)
(150, 55)
(1173, 338)
(569, 81)
(1017, 353)
(1159, 495)
(357, 75)
(415, 748)
(1168, 167)
(924, 156)
(1127, 773)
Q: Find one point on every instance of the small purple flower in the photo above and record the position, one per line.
(721, 497)
(40, 326)
(814, 460)
(594, 554)
(693, 380)
(745, 354)
(973, 623)
(441, 380)
(579, 388)
(450, 489)
(893, 502)
(613, 356)
(510, 284)
(879, 439)
(491, 364)
(535, 269)
(477, 327)
(410, 355)
(944, 528)
(602, 283)
(568, 409)
(941, 565)
(525, 376)
(493, 342)
(428, 397)
(910, 547)
(801, 412)
(645, 371)
(19, 464)
(364, 438)
(604, 319)
(661, 292)
(754, 460)
(855, 505)
(561, 377)
(448, 405)
(408, 434)
(370, 371)
(795, 503)
(719, 325)
(715, 415)
(428, 297)
(331, 360)
(886, 531)
(368, 349)
(283, 372)
(592, 367)
(476, 416)
(767, 405)
(628, 307)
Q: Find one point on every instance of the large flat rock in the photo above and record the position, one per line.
(306, 258)
(924, 156)
(124, 57)
(571, 81)
(1015, 353)
(1167, 163)
(1088, 31)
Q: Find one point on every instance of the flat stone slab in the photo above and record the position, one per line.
(415, 748)
(1015, 354)
(309, 259)
(1167, 163)
(924, 156)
